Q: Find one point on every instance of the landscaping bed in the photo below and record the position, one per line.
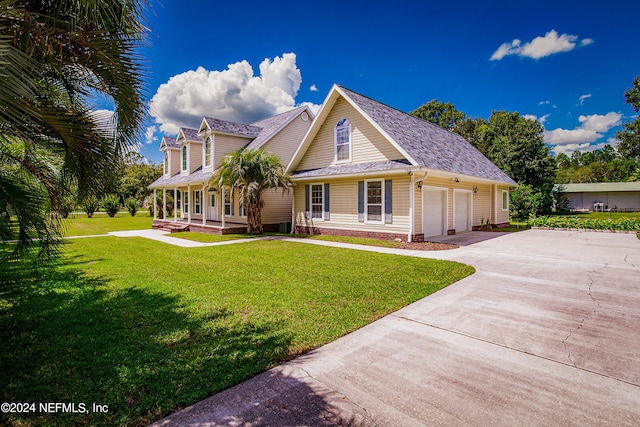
(622, 224)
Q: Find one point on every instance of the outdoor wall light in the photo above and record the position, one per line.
(420, 184)
(456, 180)
(475, 189)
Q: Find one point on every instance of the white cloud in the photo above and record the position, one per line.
(313, 88)
(313, 107)
(600, 123)
(570, 148)
(591, 129)
(540, 47)
(544, 102)
(583, 97)
(541, 120)
(233, 94)
(149, 134)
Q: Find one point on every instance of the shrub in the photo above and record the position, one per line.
(91, 205)
(132, 205)
(111, 204)
(622, 224)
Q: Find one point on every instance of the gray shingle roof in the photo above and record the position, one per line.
(353, 168)
(191, 134)
(197, 176)
(597, 187)
(224, 126)
(170, 142)
(429, 145)
(272, 125)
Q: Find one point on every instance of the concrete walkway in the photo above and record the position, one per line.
(547, 332)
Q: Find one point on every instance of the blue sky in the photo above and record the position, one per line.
(564, 63)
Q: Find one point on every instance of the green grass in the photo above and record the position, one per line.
(100, 223)
(355, 240)
(148, 328)
(210, 238)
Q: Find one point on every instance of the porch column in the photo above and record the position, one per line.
(175, 204)
(164, 203)
(155, 216)
(189, 204)
(203, 206)
(222, 191)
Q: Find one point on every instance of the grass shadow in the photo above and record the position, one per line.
(71, 338)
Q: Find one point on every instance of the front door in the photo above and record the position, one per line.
(212, 206)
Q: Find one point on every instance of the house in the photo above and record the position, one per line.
(366, 169)
(191, 158)
(602, 196)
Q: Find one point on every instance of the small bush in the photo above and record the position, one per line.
(132, 205)
(91, 205)
(111, 204)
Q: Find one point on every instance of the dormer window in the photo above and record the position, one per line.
(166, 163)
(207, 152)
(184, 158)
(343, 141)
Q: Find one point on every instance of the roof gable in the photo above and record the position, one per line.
(422, 143)
(169, 143)
(187, 134)
(231, 128)
(272, 125)
(427, 144)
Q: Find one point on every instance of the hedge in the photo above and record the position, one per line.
(620, 224)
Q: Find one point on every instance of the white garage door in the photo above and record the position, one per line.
(434, 202)
(461, 209)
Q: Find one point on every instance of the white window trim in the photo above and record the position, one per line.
(335, 143)
(197, 202)
(182, 162)
(185, 203)
(229, 193)
(321, 217)
(204, 153)
(366, 201)
(166, 163)
(502, 201)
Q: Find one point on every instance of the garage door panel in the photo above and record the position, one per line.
(433, 209)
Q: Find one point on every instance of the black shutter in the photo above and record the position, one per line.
(361, 201)
(307, 202)
(327, 215)
(388, 201)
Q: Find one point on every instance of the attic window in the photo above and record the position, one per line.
(184, 158)
(343, 141)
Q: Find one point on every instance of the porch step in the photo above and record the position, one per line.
(175, 228)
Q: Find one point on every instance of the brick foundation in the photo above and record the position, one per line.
(300, 229)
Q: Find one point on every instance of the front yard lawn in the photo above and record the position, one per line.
(147, 328)
(100, 223)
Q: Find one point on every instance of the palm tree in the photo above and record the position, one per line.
(57, 58)
(251, 173)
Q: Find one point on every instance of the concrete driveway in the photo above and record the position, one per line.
(547, 332)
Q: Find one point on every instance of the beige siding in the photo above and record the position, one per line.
(277, 207)
(174, 162)
(224, 144)
(502, 216)
(285, 142)
(195, 156)
(367, 143)
(344, 207)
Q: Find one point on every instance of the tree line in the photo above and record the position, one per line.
(516, 145)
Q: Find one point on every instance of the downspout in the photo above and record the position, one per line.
(411, 202)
